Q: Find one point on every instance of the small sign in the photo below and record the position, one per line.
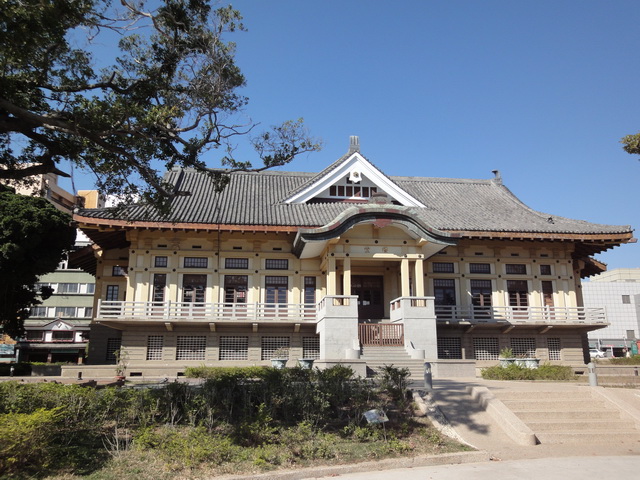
(376, 416)
(7, 349)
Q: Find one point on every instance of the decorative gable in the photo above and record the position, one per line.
(58, 325)
(352, 179)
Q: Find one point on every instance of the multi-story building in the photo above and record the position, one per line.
(58, 330)
(327, 264)
(619, 292)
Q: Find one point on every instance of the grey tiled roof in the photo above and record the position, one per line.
(257, 199)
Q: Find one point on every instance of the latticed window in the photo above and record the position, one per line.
(310, 290)
(444, 291)
(35, 335)
(112, 293)
(553, 344)
(118, 271)
(272, 344)
(524, 347)
(485, 348)
(196, 262)
(276, 289)
(449, 347)
(276, 264)
(234, 348)
(113, 344)
(310, 347)
(235, 288)
(193, 288)
(161, 262)
(480, 268)
(442, 267)
(516, 268)
(155, 343)
(191, 347)
(545, 269)
(63, 336)
(38, 312)
(238, 263)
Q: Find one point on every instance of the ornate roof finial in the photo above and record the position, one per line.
(354, 144)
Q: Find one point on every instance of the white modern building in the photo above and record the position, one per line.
(619, 292)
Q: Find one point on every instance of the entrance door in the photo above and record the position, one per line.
(369, 290)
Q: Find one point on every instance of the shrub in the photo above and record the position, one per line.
(27, 441)
(394, 382)
(516, 372)
(217, 372)
(633, 360)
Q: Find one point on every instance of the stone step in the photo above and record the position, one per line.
(599, 414)
(544, 395)
(586, 436)
(603, 426)
(554, 404)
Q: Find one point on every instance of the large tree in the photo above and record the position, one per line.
(162, 89)
(34, 236)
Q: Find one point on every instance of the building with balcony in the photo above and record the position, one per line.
(58, 329)
(328, 265)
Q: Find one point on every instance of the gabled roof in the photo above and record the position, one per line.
(357, 168)
(274, 200)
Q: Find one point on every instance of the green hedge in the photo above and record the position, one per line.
(633, 360)
(516, 372)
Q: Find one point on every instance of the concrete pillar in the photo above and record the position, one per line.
(347, 276)
(405, 278)
(338, 329)
(419, 276)
(332, 284)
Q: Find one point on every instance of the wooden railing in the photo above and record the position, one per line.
(384, 334)
(560, 315)
(111, 310)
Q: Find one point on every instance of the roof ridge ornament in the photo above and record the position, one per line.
(354, 144)
(498, 177)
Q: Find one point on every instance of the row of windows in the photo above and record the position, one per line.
(56, 336)
(485, 268)
(486, 348)
(193, 347)
(444, 291)
(60, 288)
(235, 289)
(230, 263)
(57, 312)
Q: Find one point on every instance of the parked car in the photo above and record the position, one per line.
(595, 353)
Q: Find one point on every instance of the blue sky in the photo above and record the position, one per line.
(540, 90)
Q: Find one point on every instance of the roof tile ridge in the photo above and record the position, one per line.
(549, 217)
(483, 181)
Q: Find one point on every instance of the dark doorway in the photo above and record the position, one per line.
(369, 290)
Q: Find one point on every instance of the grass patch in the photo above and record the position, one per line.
(516, 372)
(237, 421)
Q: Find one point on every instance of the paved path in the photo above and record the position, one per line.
(571, 468)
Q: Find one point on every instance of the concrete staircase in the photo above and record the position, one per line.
(377, 357)
(570, 416)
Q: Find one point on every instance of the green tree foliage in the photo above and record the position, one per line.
(631, 143)
(169, 94)
(33, 238)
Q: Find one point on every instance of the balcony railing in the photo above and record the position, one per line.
(212, 312)
(555, 315)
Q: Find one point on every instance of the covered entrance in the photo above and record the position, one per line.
(370, 292)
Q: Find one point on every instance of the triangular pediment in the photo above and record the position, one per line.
(58, 325)
(352, 179)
